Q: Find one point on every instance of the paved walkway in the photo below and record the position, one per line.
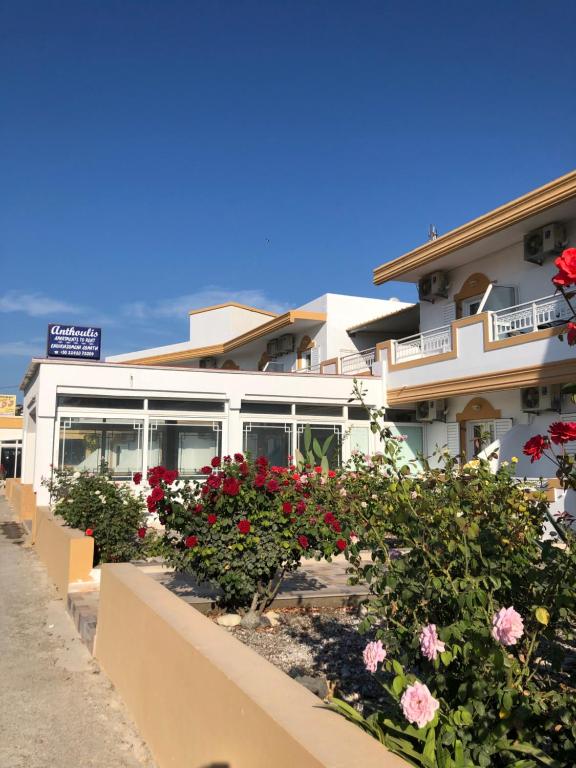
(57, 710)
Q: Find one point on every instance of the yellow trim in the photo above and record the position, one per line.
(385, 348)
(11, 422)
(232, 304)
(516, 378)
(281, 321)
(479, 409)
(534, 202)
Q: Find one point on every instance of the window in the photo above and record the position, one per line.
(312, 409)
(89, 401)
(270, 440)
(86, 443)
(279, 409)
(183, 445)
(186, 405)
(360, 439)
(411, 443)
(358, 413)
(329, 436)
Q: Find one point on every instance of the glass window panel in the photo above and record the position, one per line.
(412, 443)
(313, 409)
(270, 440)
(183, 445)
(86, 401)
(86, 443)
(500, 297)
(358, 413)
(360, 439)
(185, 405)
(280, 409)
(330, 438)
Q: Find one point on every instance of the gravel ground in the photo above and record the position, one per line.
(321, 643)
(57, 710)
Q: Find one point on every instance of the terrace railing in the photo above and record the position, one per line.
(433, 342)
(530, 316)
(358, 362)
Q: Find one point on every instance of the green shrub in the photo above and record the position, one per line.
(451, 548)
(247, 525)
(108, 511)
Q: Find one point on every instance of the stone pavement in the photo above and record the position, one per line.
(316, 583)
(57, 710)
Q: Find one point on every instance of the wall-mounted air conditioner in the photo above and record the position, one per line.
(431, 410)
(543, 242)
(536, 399)
(273, 348)
(286, 343)
(433, 286)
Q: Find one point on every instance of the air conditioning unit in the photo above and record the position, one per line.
(431, 410)
(273, 348)
(543, 242)
(536, 399)
(433, 286)
(208, 362)
(286, 343)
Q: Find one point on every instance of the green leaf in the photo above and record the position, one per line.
(398, 684)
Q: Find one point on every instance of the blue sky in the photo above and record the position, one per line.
(159, 155)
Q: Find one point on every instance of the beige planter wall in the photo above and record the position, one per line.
(68, 554)
(201, 698)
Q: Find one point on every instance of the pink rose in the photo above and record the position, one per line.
(507, 626)
(374, 654)
(430, 645)
(418, 704)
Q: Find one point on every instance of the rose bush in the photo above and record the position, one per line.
(247, 524)
(108, 511)
(473, 610)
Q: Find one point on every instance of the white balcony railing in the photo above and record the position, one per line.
(358, 362)
(530, 316)
(424, 344)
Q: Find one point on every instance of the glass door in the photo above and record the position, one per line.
(479, 435)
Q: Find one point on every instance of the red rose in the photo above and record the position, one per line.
(566, 264)
(329, 518)
(244, 469)
(216, 461)
(151, 504)
(341, 544)
(535, 447)
(211, 519)
(157, 494)
(191, 541)
(262, 462)
(155, 474)
(214, 482)
(571, 333)
(301, 507)
(89, 532)
(238, 458)
(137, 479)
(206, 470)
(336, 527)
(141, 533)
(198, 508)
(244, 526)
(170, 475)
(562, 432)
(286, 507)
(272, 485)
(331, 473)
(260, 481)
(231, 486)
(303, 541)
(318, 470)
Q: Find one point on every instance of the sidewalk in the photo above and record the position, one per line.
(57, 710)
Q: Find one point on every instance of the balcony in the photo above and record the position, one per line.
(434, 342)
(530, 317)
(347, 365)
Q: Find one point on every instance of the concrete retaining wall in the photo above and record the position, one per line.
(68, 554)
(201, 698)
(22, 498)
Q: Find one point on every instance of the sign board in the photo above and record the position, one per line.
(76, 342)
(7, 405)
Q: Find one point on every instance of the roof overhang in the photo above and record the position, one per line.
(405, 321)
(496, 230)
(302, 318)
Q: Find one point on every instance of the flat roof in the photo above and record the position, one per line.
(553, 200)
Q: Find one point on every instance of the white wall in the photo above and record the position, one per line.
(508, 268)
(218, 325)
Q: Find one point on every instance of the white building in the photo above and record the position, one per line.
(477, 362)
(246, 381)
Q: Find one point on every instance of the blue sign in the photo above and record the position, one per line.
(74, 342)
